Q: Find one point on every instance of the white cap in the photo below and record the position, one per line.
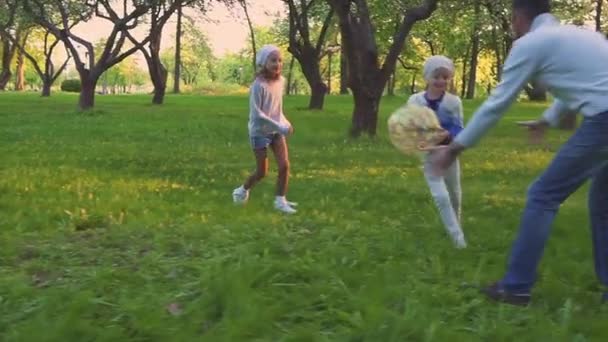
(262, 56)
(435, 62)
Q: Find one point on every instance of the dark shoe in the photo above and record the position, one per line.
(499, 294)
(605, 298)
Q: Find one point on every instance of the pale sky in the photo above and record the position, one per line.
(226, 31)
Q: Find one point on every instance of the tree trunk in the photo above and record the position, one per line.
(390, 89)
(343, 74)
(317, 97)
(158, 76)
(329, 60)
(20, 72)
(178, 49)
(156, 69)
(367, 77)
(472, 76)
(498, 54)
(413, 85)
(598, 15)
(365, 113)
(160, 87)
(290, 75)
(46, 87)
(5, 71)
(312, 73)
(87, 92)
(464, 75)
(251, 32)
(472, 83)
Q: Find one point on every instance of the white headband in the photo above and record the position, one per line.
(436, 62)
(262, 56)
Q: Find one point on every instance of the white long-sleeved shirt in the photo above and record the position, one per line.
(449, 112)
(571, 61)
(266, 108)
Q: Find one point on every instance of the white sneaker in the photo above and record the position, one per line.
(284, 206)
(460, 242)
(240, 195)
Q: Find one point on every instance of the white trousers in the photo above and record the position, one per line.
(447, 196)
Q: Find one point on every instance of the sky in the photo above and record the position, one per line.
(227, 32)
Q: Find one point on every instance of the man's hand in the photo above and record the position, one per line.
(441, 157)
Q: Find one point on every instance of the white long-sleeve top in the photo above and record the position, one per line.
(450, 112)
(266, 108)
(571, 61)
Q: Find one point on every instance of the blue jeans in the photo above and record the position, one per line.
(584, 156)
(263, 141)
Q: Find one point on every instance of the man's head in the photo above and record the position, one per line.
(524, 12)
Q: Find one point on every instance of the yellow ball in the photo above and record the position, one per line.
(412, 127)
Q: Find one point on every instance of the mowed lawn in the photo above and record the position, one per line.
(118, 225)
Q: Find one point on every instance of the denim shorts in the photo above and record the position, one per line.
(263, 141)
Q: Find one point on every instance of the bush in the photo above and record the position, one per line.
(71, 86)
(217, 88)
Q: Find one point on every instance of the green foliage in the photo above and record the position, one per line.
(32, 79)
(71, 86)
(197, 59)
(123, 76)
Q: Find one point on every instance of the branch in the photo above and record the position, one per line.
(40, 16)
(412, 16)
(430, 45)
(21, 48)
(118, 46)
(307, 8)
(406, 67)
(323, 33)
(304, 27)
(110, 55)
(139, 45)
(60, 71)
(125, 54)
(294, 46)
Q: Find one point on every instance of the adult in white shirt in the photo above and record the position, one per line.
(572, 63)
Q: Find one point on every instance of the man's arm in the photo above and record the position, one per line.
(519, 68)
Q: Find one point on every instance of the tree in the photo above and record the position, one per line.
(196, 56)
(49, 73)
(160, 12)
(305, 48)
(60, 16)
(475, 50)
(11, 31)
(367, 77)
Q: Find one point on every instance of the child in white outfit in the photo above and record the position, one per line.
(446, 192)
(268, 127)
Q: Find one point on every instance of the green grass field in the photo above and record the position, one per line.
(118, 225)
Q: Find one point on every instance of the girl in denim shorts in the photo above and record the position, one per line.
(268, 127)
